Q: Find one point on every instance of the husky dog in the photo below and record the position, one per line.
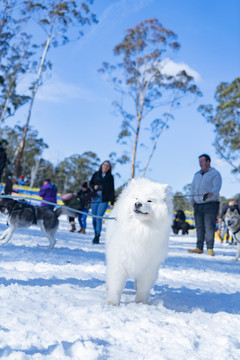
(20, 214)
(137, 241)
(232, 219)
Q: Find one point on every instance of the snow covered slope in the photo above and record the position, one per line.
(53, 303)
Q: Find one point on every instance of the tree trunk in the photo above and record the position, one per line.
(34, 171)
(4, 109)
(157, 137)
(35, 88)
(139, 119)
(135, 147)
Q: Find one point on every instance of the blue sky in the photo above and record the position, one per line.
(73, 109)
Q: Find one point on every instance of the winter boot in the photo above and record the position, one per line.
(83, 231)
(80, 230)
(73, 227)
(196, 251)
(210, 252)
(96, 239)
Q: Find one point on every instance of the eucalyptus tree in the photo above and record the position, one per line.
(41, 170)
(143, 83)
(34, 148)
(15, 57)
(8, 25)
(181, 202)
(225, 116)
(13, 67)
(74, 170)
(61, 21)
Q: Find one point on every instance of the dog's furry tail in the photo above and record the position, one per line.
(61, 211)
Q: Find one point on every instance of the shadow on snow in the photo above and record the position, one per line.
(90, 283)
(189, 300)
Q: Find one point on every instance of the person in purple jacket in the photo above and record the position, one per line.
(49, 193)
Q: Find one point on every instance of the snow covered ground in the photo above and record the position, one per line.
(53, 303)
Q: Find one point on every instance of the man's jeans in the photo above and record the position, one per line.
(205, 220)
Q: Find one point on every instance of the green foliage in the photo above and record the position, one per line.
(14, 65)
(34, 148)
(45, 169)
(225, 117)
(57, 18)
(181, 202)
(14, 58)
(74, 170)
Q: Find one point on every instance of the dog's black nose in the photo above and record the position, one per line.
(138, 205)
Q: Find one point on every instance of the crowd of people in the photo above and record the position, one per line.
(205, 199)
(96, 195)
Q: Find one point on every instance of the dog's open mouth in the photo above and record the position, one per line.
(140, 212)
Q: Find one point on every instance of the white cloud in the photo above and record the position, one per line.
(172, 68)
(56, 90)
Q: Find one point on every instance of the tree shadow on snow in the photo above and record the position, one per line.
(89, 283)
(189, 300)
(56, 255)
(203, 262)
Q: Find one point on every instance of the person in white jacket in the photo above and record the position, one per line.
(205, 189)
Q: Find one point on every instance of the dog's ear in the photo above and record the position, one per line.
(166, 189)
(236, 212)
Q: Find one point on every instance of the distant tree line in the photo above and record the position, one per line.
(68, 174)
(139, 77)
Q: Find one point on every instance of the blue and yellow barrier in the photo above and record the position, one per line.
(29, 192)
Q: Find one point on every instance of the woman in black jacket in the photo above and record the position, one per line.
(102, 183)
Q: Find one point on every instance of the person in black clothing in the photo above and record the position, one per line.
(84, 195)
(9, 185)
(102, 183)
(3, 159)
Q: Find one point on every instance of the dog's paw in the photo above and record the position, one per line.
(113, 303)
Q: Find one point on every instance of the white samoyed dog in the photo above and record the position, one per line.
(137, 241)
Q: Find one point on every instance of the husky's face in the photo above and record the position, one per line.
(232, 218)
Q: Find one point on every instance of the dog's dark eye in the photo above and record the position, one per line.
(149, 201)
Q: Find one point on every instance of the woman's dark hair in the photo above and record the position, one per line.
(110, 166)
(207, 157)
